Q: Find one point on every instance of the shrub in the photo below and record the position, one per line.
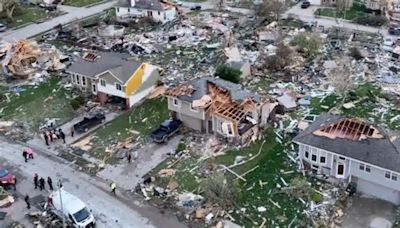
(307, 43)
(355, 53)
(371, 20)
(228, 73)
(77, 102)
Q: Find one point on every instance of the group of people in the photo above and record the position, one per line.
(53, 135)
(39, 183)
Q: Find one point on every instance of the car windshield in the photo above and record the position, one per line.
(3, 172)
(81, 215)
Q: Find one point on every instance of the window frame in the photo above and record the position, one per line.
(118, 85)
(177, 104)
(101, 82)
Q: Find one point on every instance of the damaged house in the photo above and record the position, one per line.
(126, 10)
(352, 150)
(113, 75)
(215, 106)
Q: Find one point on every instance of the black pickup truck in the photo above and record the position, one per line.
(166, 130)
(89, 122)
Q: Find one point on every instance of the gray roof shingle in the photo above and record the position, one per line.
(380, 152)
(117, 63)
(238, 92)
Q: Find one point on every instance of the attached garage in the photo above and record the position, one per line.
(191, 122)
(379, 191)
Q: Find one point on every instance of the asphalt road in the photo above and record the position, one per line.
(109, 210)
(72, 14)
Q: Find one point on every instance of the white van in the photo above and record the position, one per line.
(72, 209)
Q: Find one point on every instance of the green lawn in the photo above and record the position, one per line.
(142, 119)
(320, 105)
(80, 3)
(351, 14)
(24, 15)
(271, 162)
(48, 100)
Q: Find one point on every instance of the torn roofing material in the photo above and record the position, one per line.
(382, 150)
(117, 64)
(199, 88)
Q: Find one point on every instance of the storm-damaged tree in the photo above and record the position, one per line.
(219, 191)
(271, 9)
(8, 7)
(280, 60)
(341, 77)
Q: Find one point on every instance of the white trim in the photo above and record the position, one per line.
(116, 86)
(372, 165)
(105, 82)
(108, 71)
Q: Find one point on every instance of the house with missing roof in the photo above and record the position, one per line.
(155, 9)
(110, 75)
(215, 106)
(353, 150)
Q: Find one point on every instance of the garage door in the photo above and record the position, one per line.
(366, 187)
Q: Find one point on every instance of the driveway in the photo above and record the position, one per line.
(369, 213)
(73, 14)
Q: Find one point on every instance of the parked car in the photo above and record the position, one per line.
(166, 130)
(305, 4)
(394, 31)
(89, 122)
(49, 7)
(195, 8)
(6, 178)
(2, 28)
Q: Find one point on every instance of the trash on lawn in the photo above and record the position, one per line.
(166, 172)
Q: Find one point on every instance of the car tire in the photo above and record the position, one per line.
(165, 139)
(103, 120)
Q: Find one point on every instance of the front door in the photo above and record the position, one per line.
(210, 126)
(340, 170)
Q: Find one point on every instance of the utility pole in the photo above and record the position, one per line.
(62, 209)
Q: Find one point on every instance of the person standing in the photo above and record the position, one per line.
(36, 180)
(129, 157)
(25, 155)
(50, 136)
(46, 138)
(113, 187)
(28, 204)
(62, 135)
(50, 183)
(41, 184)
(30, 153)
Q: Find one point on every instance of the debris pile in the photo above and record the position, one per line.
(27, 58)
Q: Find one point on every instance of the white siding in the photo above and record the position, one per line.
(139, 96)
(111, 90)
(164, 16)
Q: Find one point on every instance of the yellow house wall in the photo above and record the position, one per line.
(135, 81)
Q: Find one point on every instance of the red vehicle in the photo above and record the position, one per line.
(7, 178)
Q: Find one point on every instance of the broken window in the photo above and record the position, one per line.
(306, 154)
(118, 10)
(118, 86)
(394, 177)
(387, 175)
(77, 80)
(73, 79)
(229, 126)
(129, 10)
(83, 81)
(94, 88)
(368, 169)
(362, 167)
(159, 13)
(102, 82)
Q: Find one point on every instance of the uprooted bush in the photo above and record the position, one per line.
(219, 191)
(371, 20)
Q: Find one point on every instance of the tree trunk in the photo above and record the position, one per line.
(10, 12)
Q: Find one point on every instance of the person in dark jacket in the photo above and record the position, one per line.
(50, 183)
(28, 204)
(41, 184)
(36, 180)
